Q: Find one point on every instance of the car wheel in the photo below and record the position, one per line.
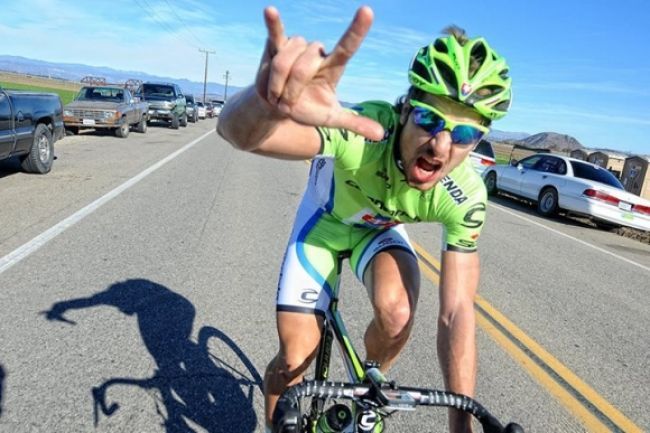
(547, 202)
(491, 183)
(184, 120)
(41, 154)
(142, 125)
(123, 130)
(175, 122)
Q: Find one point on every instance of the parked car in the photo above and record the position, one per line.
(166, 103)
(209, 110)
(482, 157)
(190, 108)
(200, 109)
(216, 107)
(106, 107)
(557, 182)
(30, 123)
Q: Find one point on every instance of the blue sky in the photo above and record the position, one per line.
(579, 68)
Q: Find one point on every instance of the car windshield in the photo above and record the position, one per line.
(108, 94)
(484, 148)
(598, 174)
(155, 91)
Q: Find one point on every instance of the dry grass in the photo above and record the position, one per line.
(67, 90)
(36, 81)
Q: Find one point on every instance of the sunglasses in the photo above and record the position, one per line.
(433, 121)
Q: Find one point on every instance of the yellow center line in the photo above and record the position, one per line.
(596, 413)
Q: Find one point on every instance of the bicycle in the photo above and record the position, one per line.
(369, 391)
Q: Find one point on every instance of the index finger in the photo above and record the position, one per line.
(352, 38)
(276, 36)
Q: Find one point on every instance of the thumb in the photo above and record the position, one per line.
(359, 124)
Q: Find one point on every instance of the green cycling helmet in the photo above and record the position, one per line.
(466, 70)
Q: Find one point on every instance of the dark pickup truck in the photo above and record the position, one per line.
(30, 123)
(106, 107)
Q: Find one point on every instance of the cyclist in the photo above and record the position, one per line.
(374, 168)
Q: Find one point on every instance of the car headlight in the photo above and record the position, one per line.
(108, 114)
(68, 113)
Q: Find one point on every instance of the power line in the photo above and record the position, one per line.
(151, 12)
(188, 28)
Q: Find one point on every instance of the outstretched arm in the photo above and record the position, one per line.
(295, 90)
(456, 328)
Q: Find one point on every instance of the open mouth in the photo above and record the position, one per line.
(424, 164)
(425, 170)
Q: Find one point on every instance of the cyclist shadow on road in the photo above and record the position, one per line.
(194, 384)
(2, 383)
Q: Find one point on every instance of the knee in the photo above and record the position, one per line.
(394, 316)
(293, 364)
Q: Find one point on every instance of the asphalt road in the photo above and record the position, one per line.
(157, 257)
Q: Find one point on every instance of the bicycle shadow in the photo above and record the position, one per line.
(2, 386)
(193, 383)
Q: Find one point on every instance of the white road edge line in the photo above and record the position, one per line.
(25, 250)
(602, 250)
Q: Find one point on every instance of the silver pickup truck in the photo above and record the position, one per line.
(106, 107)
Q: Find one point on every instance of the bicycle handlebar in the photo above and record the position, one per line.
(287, 417)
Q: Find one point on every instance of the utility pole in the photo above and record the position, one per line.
(205, 77)
(225, 93)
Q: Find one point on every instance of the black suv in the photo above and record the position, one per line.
(166, 102)
(192, 112)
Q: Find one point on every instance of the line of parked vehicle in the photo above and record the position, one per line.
(31, 122)
(113, 107)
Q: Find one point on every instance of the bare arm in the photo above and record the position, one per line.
(456, 328)
(295, 90)
(249, 123)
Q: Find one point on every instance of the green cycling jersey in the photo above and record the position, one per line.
(360, 183)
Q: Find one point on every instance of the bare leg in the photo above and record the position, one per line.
(393, 281)
(299, 337)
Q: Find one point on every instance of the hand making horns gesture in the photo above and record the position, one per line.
(299, 79)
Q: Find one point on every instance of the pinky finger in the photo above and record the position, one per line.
(358, 124)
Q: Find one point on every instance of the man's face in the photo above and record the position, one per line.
(427, 158)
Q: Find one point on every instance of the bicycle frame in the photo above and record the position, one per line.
(367, 386)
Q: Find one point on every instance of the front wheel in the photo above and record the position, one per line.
(491, 183)
(123, 130)
(184, 120)
(41, 154)
(547, 202)
(141, 127)
(175, 122)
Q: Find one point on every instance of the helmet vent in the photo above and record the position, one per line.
(420, 70)
(448, 77)
(440, 46)
(487, 91)
(477, 55)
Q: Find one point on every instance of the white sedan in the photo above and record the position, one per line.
(559, 183)
(200, 108)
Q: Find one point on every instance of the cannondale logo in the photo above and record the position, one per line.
(367, 421)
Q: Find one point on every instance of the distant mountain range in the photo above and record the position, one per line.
(75, 72)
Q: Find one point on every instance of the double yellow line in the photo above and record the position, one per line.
(595, 413)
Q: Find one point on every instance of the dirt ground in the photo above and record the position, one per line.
(634, 234)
